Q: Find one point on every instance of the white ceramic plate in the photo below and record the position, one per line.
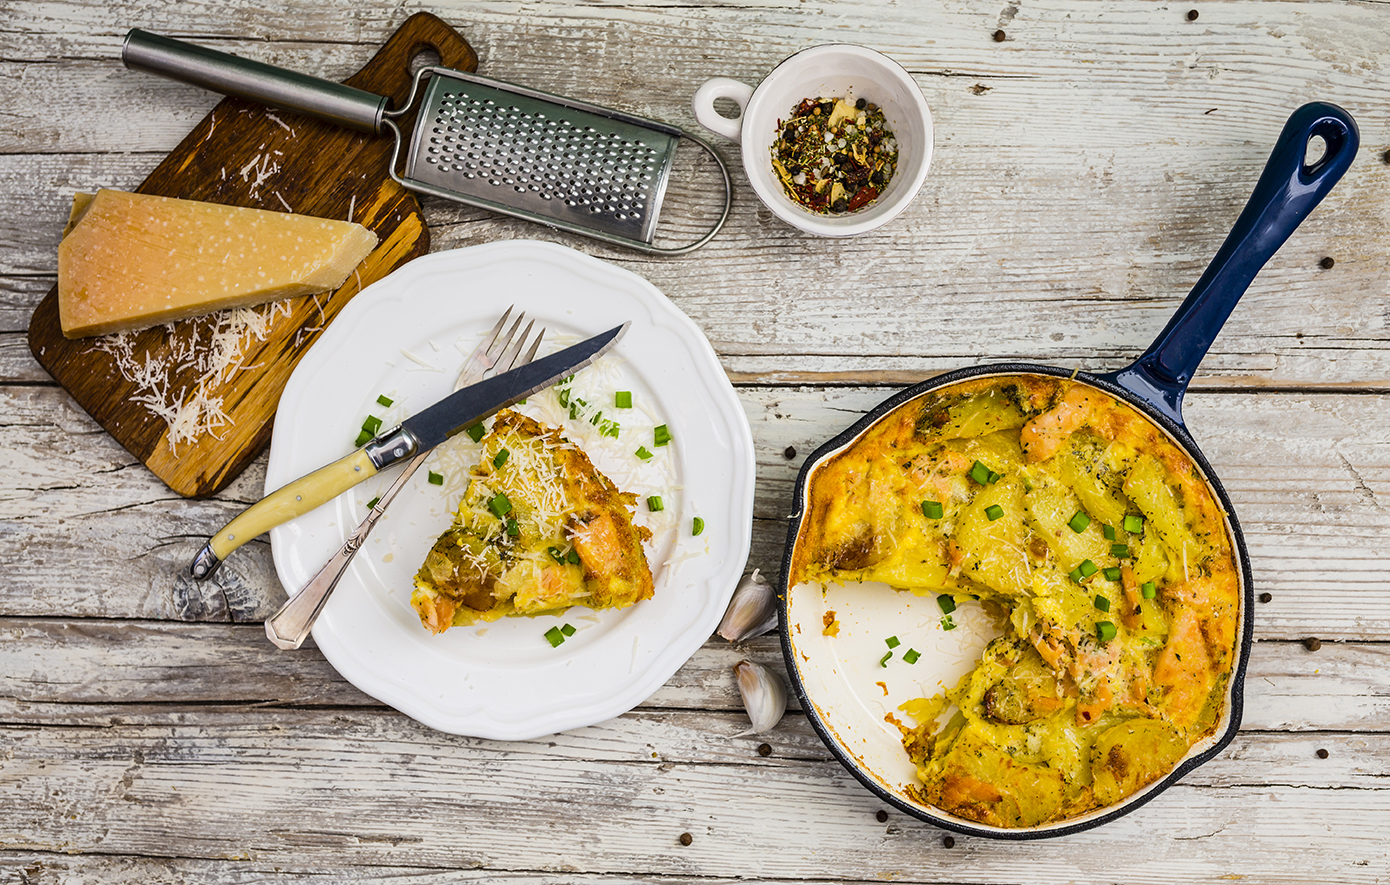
(406, 337)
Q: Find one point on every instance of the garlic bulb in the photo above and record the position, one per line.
(752, 611)
(764, 696)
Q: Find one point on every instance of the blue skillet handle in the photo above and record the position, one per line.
(1287, 191)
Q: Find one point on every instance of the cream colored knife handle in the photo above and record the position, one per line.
(295, 499)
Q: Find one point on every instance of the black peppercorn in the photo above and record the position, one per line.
(949, 841)
(1322, 754)
(1326, 263)
(882, 817)
(1192, 15)
(686, 838)
(793, 169)
(877, 178)
(859, 105)
(840, 158)
(1312, 643)
(840, 205)
(1266, 597)
(1386, 156)
(764, 749)
(789, 452)
(999, 36)
(827, 107)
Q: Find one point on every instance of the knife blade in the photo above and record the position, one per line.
(418, 433)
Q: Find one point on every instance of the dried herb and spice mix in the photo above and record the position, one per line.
(834, 155)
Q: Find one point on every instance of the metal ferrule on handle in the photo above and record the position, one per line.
(301, 496)
(255, 81)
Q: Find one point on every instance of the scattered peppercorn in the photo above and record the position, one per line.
(1266, 597)
(1386, 156)
(1192, 15)
(999, 36)
(1322, 754)
(1327, 263)
(789, 452)
(860, 103)
(1312, 643)
(882, 817)
(764, 749)
(949, 841)
(686, 838)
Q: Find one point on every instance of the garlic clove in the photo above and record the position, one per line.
(764, 696)
(752, 611)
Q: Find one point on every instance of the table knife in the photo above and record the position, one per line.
(418, 433)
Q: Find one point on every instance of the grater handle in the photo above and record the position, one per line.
(253, 80)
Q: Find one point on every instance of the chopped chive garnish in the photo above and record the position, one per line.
(609, 428)
(697, 525)
(1102, 603)
(1119, 551)
(1112, 574)
(1149, 589)
(598, 416)
(1105, 631)
(555, 554)
(1076, 575)
(948, 623)
(623, 399)
(521, 402)
(1134, 524)
(572, 557)
(554, 637)
(372, 503)
(995, 477)
(475, 432)
(567, 629)
(513, 530)
(892, 642)
(501, 457)
(500, 506)
(1079, 522)
(660, 435)
(994, 511)
(979, 472)
(947, 603)
(932, 509)
(363, 438)
(1109, 532)
(1087, 568)
(384, 401)
(372, 424)
(883, 661)
(643, 453)
(911, 656)
(654, 504)
(436, 479)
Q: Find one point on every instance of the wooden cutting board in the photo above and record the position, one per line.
(243, 154)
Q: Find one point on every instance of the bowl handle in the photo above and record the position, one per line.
(1287, 191)
(703, 105)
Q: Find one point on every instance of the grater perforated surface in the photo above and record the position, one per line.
(528, 154)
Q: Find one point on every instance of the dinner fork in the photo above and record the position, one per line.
(289, 627)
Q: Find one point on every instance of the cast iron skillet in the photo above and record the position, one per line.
(1287, 191)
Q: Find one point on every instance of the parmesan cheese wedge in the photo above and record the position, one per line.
(131, 261)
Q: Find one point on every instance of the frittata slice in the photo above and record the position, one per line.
(539, 529)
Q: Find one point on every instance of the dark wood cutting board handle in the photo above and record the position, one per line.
(242, 154)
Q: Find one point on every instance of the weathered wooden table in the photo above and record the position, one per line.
(1090, 158)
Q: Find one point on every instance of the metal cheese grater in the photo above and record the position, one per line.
(567, 164)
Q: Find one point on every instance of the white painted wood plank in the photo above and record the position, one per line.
(96, 672)
(372, 789)
(1309, 475)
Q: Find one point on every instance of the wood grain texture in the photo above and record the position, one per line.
(1086, 169)
(267, 160)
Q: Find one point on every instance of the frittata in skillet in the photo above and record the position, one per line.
(539, 529)
(1102, 552)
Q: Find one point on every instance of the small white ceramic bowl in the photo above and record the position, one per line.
(830, 71)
